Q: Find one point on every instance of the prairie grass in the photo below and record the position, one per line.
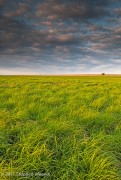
(66, 128)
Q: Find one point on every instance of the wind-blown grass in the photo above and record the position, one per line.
(60, 127)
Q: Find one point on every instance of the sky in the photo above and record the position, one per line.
(60, 36)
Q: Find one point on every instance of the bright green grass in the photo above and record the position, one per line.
(69, 127)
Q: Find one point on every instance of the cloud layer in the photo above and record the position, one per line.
(57, 36)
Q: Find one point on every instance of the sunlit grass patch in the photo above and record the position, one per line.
(69, 127)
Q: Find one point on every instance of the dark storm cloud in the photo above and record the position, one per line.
(15, 33)
(72, 9)
(1, 3)
(59, 33)
(117, 11)
(19, 10)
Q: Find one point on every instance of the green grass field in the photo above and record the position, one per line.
(66, 128)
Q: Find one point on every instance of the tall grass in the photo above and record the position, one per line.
(60, 128)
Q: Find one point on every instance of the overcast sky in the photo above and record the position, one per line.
(60, 36)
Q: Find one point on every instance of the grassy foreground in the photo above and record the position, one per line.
(66, 128)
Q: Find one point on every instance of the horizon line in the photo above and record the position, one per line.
(84, 74)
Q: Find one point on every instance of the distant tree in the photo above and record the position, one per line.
(103, 74)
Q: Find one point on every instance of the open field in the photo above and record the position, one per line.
(68, 128)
